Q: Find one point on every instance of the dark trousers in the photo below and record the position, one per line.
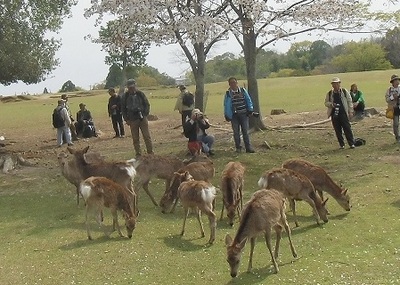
(241, 122)
(118, 125)
(360, 108)
(341, 124)
(185, 114)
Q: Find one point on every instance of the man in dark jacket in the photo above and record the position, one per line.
(84, 122)
(114, 111)
(135, 108)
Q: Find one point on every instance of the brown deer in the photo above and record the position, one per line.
(199, 170)
(162, 167)
(295, 186)
(265, 211)
(99, 193)
(321, 180)
(199, 196)
(232, 181)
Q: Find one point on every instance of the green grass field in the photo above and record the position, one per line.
(42, 233)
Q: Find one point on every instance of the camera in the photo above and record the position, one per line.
(141, 115)
(256, 114)
(336, 112)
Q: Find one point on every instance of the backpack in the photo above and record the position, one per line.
(58, 120)
(188, 99)
(88, 131)
(359, 142)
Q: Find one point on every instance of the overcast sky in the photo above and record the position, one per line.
(82, 61)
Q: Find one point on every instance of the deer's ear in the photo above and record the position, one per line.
(344, 192)
(324, 203)
(228, 240)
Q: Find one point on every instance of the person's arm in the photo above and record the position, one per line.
(328, 100)
(178, 104)
(66, 116)
(146, 104)
(247, 98)
(123, 106)
(360, 97)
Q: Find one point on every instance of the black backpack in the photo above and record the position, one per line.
(188, 99)
(58, 120)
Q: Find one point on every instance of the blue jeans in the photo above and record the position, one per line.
(240, 122)
(207, 142)
(60, 132)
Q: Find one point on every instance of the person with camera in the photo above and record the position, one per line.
(392, 97)
(195, 130)
(135, 108)
(185, 103)
(340, 109)
(237, 109)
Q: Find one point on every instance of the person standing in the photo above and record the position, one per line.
(340, 109)
(237, 107)
(392, 98)
(63, 131)
(135, 108)
(358, 100)
(72, 129)
(184, 104)
(114, 111)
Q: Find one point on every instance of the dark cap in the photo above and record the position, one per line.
(64, 96)
(130, 83)
(182, 87)
(394, 77)
(81, 104)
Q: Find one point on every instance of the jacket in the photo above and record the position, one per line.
(345, 97)
(228, 109)
(134, 106)
(389, 96)
(114, 100)
(190, 128)
(64, 114)
(179, 105)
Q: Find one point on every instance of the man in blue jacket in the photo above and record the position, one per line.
(237, 107)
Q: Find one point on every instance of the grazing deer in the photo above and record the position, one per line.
(265, 211)
(321, 180)
(295, 186)
(162, 167)
(198, 195)
(99, 193)
(199, 170)
(232, 181)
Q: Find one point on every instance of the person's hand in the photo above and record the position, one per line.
(350, 115)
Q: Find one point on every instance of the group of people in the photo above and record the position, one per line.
(133, 107)
(69, 129)
(238, 106)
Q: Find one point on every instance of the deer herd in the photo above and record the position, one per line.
(115, 185)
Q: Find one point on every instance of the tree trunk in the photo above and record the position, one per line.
(198, 72)
(250, 54)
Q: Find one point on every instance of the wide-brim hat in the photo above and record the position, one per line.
(196, 112)
(335, 80)
(182, 87)
(394, 77)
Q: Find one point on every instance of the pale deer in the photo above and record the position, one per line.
(263, 213)
(232, 180)
(199, 196)
(321, 180)
(295, 186)
(99, 193)
(199, 170)
(161, 167)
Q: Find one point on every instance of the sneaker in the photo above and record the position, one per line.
(238, 150)
(70, 144)
(352, 146)
(250, 150)
(341, 147)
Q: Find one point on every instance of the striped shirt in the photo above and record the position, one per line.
(238, 102)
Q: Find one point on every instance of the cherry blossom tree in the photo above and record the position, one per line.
(257, 24)
(195, 25)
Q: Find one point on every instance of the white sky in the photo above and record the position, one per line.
(82, 61)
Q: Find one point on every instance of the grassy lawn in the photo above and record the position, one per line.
(42, 232)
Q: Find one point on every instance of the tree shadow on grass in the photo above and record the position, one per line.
(184, 244)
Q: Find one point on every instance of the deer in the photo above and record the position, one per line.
(199, 170)
(232, 181)
(69, 169)
(199, 196)
(262, 213)
(321, 180)
(100, 193)
(295, 186)
(162, 167)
